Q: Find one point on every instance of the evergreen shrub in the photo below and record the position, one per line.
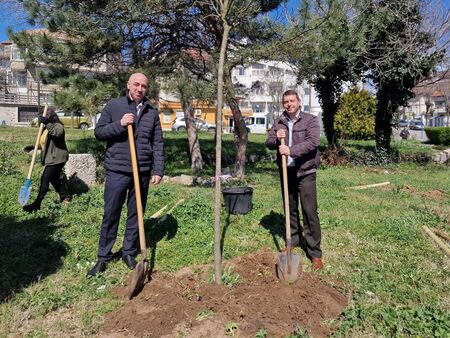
(438, 135)
(355, 118)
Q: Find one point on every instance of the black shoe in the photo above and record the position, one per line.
(31, 207)
(100, 266)
(129, 261)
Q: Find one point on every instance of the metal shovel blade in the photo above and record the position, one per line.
(286, 272)
(24, 193)
(138, 279)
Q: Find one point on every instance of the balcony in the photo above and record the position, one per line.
(15, 98)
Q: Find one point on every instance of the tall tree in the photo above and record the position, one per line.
(324, 53)
(248, 31)
(223, 23)
(399, 53)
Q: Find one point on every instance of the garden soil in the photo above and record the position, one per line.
(185, 304)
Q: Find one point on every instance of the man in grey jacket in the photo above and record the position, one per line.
(301, 132)
(132, 109)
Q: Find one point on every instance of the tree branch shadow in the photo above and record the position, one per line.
(28, 252)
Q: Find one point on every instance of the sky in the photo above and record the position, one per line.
(16, 19)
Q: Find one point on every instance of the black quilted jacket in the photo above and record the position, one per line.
(147, 135)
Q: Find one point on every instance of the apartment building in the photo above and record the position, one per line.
(260, 85)
(21, 92)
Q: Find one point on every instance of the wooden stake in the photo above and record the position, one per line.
(160, 211)
(437, 240)
(442, 234)
(359, 187)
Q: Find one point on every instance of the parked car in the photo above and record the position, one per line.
(80, 121)
(416, 125)
(403, 123)
(179, 124)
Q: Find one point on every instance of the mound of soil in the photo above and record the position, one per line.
(185, 304)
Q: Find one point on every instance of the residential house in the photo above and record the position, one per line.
(171, 109)
(431, 103)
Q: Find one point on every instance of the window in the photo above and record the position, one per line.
(17, 78)
(258, 91)
(260, 120)
(307, 90)
(15, 53)
(275, 71)
(439, 104)
(26, 114)
(258, 107)
(241, 71)
(258, 69)
(306, 108)
(167, 115)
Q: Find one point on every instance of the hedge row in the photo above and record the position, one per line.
(438, 135)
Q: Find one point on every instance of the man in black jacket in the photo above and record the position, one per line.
(131, 109)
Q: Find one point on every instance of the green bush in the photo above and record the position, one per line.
(438, 135)
(355, 118)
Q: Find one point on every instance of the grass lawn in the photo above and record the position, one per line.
(397, 279)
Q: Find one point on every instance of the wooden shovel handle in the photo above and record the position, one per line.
(137, 190)
(286, 197)
(33, 158)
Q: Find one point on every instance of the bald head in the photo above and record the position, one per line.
(137, 86)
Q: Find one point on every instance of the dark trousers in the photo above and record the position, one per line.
(118, 187)
(51, 174)
(307, 237)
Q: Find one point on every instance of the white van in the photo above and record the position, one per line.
(257, 124)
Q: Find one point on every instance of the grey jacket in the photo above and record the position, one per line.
(305, 142)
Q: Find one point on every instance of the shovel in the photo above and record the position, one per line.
(25, 190)
(141, 269)
(288, 265)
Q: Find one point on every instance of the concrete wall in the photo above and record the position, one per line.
(9, 114)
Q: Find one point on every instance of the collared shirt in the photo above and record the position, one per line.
(138, 106)
(290, 160)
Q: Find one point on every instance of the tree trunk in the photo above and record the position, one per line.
(217, 195)
(240, 139)
(329, 113)
(194, 145)
(383, 119)
(447, 109)
(329, 94)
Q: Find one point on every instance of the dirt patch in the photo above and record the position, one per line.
(408, 189)
(435, 194)
(185, 304)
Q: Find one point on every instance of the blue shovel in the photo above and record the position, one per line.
(24, 193)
